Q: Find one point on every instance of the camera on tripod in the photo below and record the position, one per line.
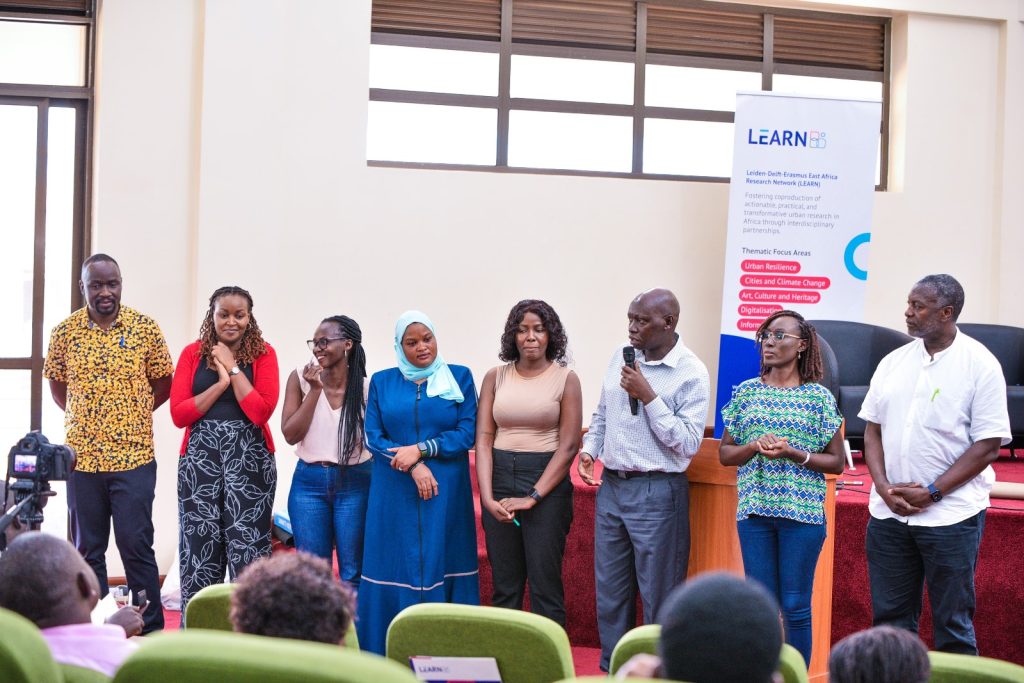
(32, 464)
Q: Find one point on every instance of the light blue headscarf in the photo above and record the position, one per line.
(440, 380)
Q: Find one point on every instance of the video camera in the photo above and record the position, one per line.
(32, 464)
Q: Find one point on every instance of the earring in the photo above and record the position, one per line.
(346, 353)
(798, 354)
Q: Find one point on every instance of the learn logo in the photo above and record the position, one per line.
(817, 139)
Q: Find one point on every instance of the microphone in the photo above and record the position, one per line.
(629, 355)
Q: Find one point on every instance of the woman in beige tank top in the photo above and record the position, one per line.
(528, 432)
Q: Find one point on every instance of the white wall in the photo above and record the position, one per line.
(231, 150)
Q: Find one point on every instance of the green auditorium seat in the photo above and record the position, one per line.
(528, 648)
(24, 655)
(792, 665)
(79, 674)
(200, 656)
(951, 668)
(210, 608)
(640, 640)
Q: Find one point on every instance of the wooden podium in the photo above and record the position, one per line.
(714, 545)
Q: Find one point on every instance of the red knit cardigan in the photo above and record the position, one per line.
(258, 406)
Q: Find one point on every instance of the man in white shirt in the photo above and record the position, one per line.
(642, 522)
(936, 416)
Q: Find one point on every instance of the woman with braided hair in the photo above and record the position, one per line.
(223, 394)
(782, 431)
(324, 407)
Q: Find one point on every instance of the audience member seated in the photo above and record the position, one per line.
(292, 595)
(716, 628)
(883, 654)
(44, 579)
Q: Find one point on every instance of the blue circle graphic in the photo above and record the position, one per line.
(851, 249)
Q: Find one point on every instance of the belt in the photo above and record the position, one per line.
(324, 463)
(624, 474)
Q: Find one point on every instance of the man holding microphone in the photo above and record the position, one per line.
(648, 425)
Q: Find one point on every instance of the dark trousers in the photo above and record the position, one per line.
(641, 539)
(534, 550)
(226, 482)
(902, 558)
(94, 498)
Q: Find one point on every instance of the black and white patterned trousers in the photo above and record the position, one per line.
(226, 482)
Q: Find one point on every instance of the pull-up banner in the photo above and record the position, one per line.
(799, 219)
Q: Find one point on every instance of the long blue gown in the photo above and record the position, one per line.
(417, 550)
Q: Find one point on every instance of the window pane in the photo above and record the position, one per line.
(585, 142)
(431, 133)
(688, 87)
(697, 148)
(60, 195)
(46, 54)
(576, 80)
(826, 87)
(17, 216)
(429, 70)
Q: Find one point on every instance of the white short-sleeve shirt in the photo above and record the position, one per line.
(931, 410)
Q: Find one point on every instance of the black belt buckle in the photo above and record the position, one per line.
(623, 474)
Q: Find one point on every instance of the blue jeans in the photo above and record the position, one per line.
(901, 558)
(327, 507)
(782, 554)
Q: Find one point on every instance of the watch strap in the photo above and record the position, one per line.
(935, 493)
(535, 495)
(234, 370)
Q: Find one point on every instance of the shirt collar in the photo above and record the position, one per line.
(87, 321)
(671, 358)
(928, 359)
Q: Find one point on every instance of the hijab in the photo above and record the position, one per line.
(440, 380)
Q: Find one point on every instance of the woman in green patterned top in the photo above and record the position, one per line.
(782, 431)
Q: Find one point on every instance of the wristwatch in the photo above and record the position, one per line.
(424, 451)
(935, 493)
(535, 495)
(234, 371)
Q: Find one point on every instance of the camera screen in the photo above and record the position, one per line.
(24, 464)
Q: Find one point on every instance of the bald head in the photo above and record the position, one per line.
(652, 322)
(659, 301)
(44, 579)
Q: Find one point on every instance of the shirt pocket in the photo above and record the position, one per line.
(947, 411)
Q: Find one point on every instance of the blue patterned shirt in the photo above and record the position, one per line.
(808, 418)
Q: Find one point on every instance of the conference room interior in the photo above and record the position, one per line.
(203, 143)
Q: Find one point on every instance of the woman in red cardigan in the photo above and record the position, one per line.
(223, 394)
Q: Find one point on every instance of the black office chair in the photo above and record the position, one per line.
(858, 348)
(1007, 344)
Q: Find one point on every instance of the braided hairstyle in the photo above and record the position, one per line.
(250, 347)
(557, 339)
(354, 406)
(809, 362)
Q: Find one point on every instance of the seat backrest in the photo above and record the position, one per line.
(642, 639)
(792, 665)
(193, 656)
(529, 648)
(210, 609)
(80, 674)
(24, 655)
(859, 347)
(829, 367)
(953, 668)
(1006, 344)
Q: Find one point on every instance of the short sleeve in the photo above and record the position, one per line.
(989, 410)
(831, 418)
(56, 367)
(158, 363)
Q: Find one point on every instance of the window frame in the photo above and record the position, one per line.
(45, 97)
(639, 111)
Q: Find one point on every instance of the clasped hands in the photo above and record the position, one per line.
(223, 360)
(776, 447)
(505, 510)
(905, 498)
(405, 458)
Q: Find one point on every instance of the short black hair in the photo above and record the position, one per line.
(38, 576)
(719, 628)
(882, 654)
(99, 258)
(292, 595)
(948, 291)
(558, 342)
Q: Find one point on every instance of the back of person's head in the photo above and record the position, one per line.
(882, 654)
(44, 579)
(292, 595)
(718, 628)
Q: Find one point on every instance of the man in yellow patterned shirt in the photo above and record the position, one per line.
(109, 368)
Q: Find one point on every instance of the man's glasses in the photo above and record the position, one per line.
(778, 334)
(321, 343)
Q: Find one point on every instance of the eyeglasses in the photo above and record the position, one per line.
(778, 334)
(322, 342)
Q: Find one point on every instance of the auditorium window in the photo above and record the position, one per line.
(46, 57)
(633, 88)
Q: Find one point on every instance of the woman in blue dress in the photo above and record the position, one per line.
(420, 535)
